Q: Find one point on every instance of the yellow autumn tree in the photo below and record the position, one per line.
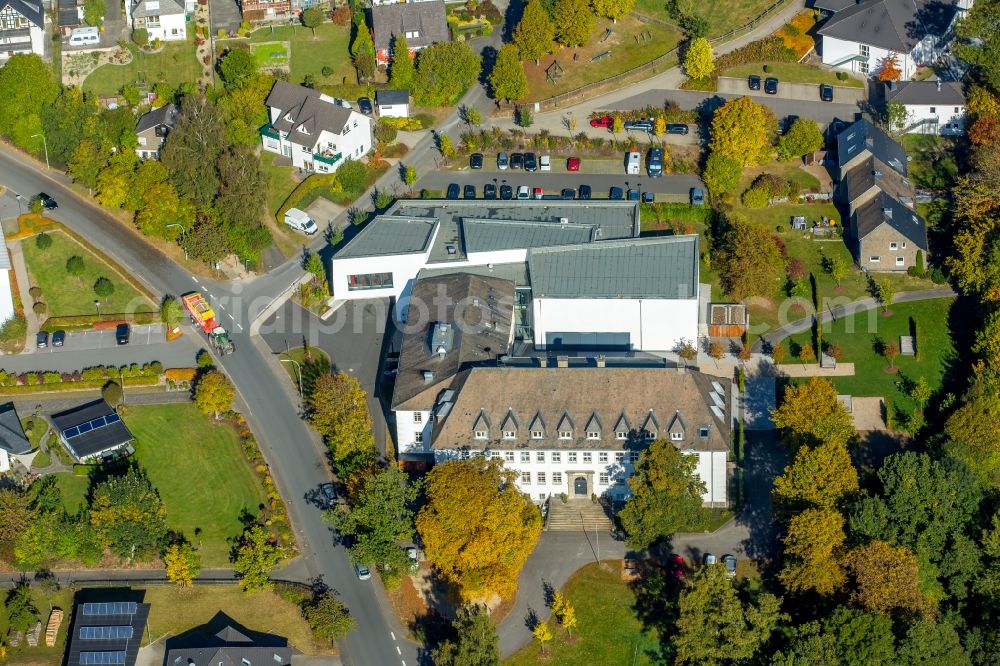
(339, 411)
(812, 551)
(699, 62)
(182, 564)
(810, 413)
(742, 129)
(887, 578)
(818, 477)
(477, 527)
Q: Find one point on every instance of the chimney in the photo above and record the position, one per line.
(428, 375)
(887, 212)
(562, 361)
(601, 361)
(939, 85)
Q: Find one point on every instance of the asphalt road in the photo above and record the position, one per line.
(177, 354)
(553, 182)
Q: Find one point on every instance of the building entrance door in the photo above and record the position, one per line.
(580, 486)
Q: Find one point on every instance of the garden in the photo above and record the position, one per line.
(325, 59)
(173, 64)
(271, 56)
(721, 16)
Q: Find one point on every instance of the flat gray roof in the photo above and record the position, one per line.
(515, 272)
(664, 267)
(489, 235)
(388, 235)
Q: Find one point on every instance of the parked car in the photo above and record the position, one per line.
(537, 193)
(826, 92)
(530, 162)
(568, 193)
(697, 197)
(42, 339)
(753, 82)
(730, 563)
(602, 121)
(516, 161)
(58, 338)
(328, 494)
(648, 197)
(709, 559)
(469, 192)
(677, 565)
(616, 193)
(453, 191)
(632, 194)
(523, 192)
(573, 164)
(489, 191)
(48, 203)
(476, 160)
(771, 85)
(502, 162)
(654, 162)
(364, 573)
(584, 192)
(633, 163)
(365, 105)
(506, 192)
(638, 125)
(545, 163)
(677, 128)
(122, 334)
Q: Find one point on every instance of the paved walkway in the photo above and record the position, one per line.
(23, 285)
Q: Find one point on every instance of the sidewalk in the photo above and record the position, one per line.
(21, 273)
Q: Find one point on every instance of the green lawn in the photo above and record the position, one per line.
(270, 55)
(174, 64)
(329, 48)
(74, 490)
(279, 181)
(722, 15)
(319, 364)
(933, 162)
(200, 472)
(792, 72)
(25, 655)
(870, 378)
(608, 631)
(66, 294)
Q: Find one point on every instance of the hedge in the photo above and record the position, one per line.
(74, 322)
(180, 374)
(769, 49)
(75, 386)
(315, 186)
(414, 123)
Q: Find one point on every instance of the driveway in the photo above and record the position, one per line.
(805, 92)
(177, 354)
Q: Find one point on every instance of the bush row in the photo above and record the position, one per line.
(41, 385)
(769, 49)
(317, 185)
(96, 373)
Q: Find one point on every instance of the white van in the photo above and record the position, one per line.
(300, 221)
(632, 164)
(84, 36)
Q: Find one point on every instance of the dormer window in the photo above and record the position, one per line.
(621, 435)
(537, 434)
(288, 117)
(302, 128)
(565, 434)
(593, 434)
(480, 434)
(509, 434)
(412, 34)
(650, 435)
(703, 432)
(676, 437)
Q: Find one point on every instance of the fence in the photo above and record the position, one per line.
(554, 102)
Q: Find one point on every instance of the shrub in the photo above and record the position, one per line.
(180, 374)
(755, 197)
(308, 191)
(75, 265)
(769, 49)
(385, 133)
(835, 352)
(796, 269)
(103, 287)
(352, 175)
(39, 308)
(326, 71)
(841, 76)
(141, 37)
(155, 368)
(341, 15)
(937, 276)
(767, 69)
(14, 328)
(36, 292)
(524, 117)
(51, 378)
(43, 241)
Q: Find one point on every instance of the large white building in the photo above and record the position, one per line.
(316, 132)
(164, 20)
(931, 107)
(22, 28)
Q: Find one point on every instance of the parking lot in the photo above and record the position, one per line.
(105, 339)
(806, 92)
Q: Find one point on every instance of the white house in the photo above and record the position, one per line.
(6, 296)
(152, 130)
(581, 430)
(393, 103)
(932, 107)
(22, 28)
(316, 132)
(164, 20)
(860, 37)
(14, 444)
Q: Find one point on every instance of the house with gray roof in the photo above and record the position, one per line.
(163, 20)
(14, 443)
(93, 432)
(886, 234)
(22, 28)
(152, 129)
(860, 37)
(420, 23)
(929, 107)
(229, 645)
(313, 131)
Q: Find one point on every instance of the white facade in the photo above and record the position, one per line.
(330, 150)
(413, 430)
(838, 53)
(13, 38)
(651, 324)
(927, 119)
(167, 27)
(394, 110)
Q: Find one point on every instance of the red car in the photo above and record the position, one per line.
(676, 565)
(603, 121)
(538, 193)
(573, 164)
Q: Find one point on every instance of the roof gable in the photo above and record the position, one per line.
(566, 423)
(427, 19)
(886, 210)
(594, 424)
(510, 422)
(894, 25)
(29, 9)
(622, 424)
(651, 425)
(12, 437)
(677, 424)
(482, 422)
(537, 423)
(863, 136)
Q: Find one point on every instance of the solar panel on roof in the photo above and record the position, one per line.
(111, 608)
(92, 424)
(94, 658)
(106, 633)
(112, 418)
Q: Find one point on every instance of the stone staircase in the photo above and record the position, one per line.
(577, 516)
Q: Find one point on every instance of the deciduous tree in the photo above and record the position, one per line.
(810, 413)
(749, 260)
(574, 21)
(980, 43)
(845, 638)
(256, 556)
(129, 515)
(742, 129)
(666, 495)
(974, 432)
(214, 393)
(103, 287)
(338, 410)
(534, 32)
(476, 640)
(16, 514)
(722, 174)
(699, 63)
(612, 9)
(86, 161)
(508, 80)
(196, 141)
(819, 477)
(402, 71)
(182, 564)
(26, 87)
(543, 634)
(312, 18)
(886, 578)
(813, 547)
(329, 618)
(477, 527)
(237, 68)
(802, 138)
(890, 70)
(444, 71)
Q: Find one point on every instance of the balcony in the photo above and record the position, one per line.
(15, 35)
(269, 131)
(326, 158)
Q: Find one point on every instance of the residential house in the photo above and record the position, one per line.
(884, 232)
(316, 132)
(152, 129)
(392, 103)
(6, 294)
(581, 430)
(859, 37)
(107, 632)
(14, 444)
(263, 10)
(93, 432)
(420, 23)
(230, 645)
(932, 107)
(22, 28)
(164, 20)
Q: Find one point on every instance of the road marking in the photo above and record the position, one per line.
(398, 651)
(231, 316)
(393, 634)
(239, 327)
(194, 279)
(221, 306)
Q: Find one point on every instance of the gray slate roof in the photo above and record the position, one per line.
(147, 8)
(480, 311)
(12, 437)
(873, 172)
(489, 235)
(665, 268)
(834, 5)
(308, 110)
(896, 25)
(390, 234)
(230, 647)
(927, 93)
(392, 97)
(165, 115)
(97, 439)
(863, 135)
(427, 19)
(69, 17)
(29, 9)
(884, 209)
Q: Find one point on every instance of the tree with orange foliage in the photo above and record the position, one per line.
(890, 69)
(887, 578)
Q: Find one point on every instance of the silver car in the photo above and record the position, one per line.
(364, 573)
(502, 162)
(709, 559)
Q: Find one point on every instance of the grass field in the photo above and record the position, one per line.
(626, 53)
(792, 72)
(933, 162)
(74, 490)
(608, 631)
(174, 64)
(66, 294)
(857, 337)
(722, 15)
(200, 472)
(309, 55)
(270, 55)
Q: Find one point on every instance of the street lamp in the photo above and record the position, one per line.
(97, 304)
(183, 237)
(298, 371)
(45, 145)
(20, 204)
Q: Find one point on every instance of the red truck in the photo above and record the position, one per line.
(203, 316)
